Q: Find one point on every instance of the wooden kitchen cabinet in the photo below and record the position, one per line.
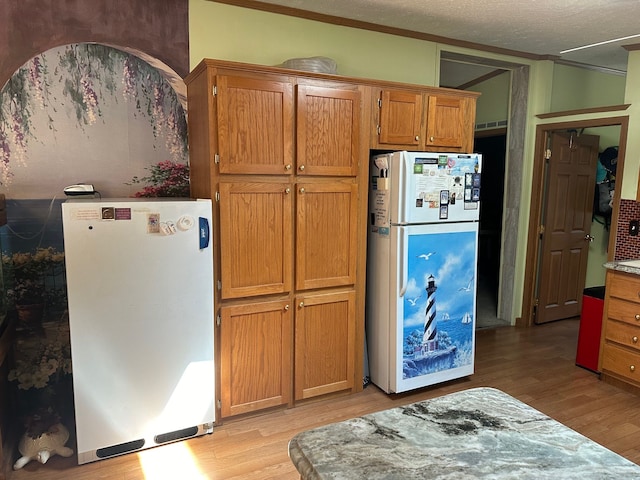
(324, 343)
(256, 238)
(255, 356)
(620, 348)
(328, 130)
(285, 155)
(424, 120)
(326, 234)
(254, 124)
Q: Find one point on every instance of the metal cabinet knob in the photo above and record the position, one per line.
(287, 190)
(632, 368)
(634, 339)
(431, 139)
(302, 190)
(417, 138)
(301, 168)
(286, 307)
(287, 166)
(637, 316)
(301, 304)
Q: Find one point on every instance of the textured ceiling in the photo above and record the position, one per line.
(539, 27)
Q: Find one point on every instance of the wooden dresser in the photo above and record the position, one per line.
(620, 344)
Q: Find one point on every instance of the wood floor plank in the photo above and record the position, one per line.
(535, 365)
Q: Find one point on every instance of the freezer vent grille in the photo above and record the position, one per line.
(177, 435)
(120, 449)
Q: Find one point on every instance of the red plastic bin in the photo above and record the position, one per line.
(590, 328)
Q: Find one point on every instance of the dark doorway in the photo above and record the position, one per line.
(493, 150)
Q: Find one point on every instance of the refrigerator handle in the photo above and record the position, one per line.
(402, 192)
(204, 232)
(402, 258)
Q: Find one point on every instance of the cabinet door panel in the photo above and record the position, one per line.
(255, 357)
(324, 343)
(449, 120)
(255, 125)
(255, 241)
(400, 117)
(326, 234)
(328, 131)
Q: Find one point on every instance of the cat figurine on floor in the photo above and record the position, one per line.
(44, 446)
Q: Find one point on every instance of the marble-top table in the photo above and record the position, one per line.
(475, 433)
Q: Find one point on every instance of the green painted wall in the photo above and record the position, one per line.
(575, 88)
(493, 103)
(227, 32)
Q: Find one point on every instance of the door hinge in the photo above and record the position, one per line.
(214, 90)
(541, 230)
(547, 154)
(216, 159)
(219, 404)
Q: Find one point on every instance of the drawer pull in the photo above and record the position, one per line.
(637, 316)
(634, 339)
(632, 368)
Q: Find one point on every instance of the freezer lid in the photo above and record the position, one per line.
(428, 187)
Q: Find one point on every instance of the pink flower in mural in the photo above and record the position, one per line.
(167, 179)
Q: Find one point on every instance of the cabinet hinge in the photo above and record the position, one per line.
(217, 200)
(216, 159)
(218, 320)
(219, 404)
(379, 103)
(219, 285)
(379, 129)
(214, 90)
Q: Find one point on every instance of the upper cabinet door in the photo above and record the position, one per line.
(328, 133)
(449, 119)
(400, 118)
(255, 125)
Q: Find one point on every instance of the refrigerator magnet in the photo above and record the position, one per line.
(444, 212)
(444, 197)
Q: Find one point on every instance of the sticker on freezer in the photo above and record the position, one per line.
(439, 304)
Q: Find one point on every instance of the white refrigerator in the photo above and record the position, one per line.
(422, 268)
(140, 291)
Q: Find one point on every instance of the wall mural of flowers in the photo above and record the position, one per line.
(80, 113)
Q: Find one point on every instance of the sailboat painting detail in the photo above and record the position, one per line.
(442, 282)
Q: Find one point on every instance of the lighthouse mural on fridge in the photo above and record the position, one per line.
(422, 268)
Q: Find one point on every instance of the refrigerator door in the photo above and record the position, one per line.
(140, 290)
(433, 304)
(430, 187)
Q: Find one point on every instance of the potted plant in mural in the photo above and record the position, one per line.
(42, 374)
(33, 278)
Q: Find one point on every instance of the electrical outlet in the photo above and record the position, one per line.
(633, 228)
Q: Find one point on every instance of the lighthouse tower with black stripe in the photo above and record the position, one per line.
(430, 336)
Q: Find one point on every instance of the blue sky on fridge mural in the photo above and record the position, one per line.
(446, 261)
(84, 113)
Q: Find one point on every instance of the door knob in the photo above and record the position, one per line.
(588, 238)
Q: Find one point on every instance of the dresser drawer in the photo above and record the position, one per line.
(622, 362)
(624, 311)
(625, 286)
(623, 333)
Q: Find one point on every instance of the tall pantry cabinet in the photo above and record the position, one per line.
(285, 157)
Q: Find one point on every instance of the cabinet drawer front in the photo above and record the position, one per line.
(626, 287)
(621, 362)
(623, 333)
(624, 311)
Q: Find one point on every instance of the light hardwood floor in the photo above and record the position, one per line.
(535, 365)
